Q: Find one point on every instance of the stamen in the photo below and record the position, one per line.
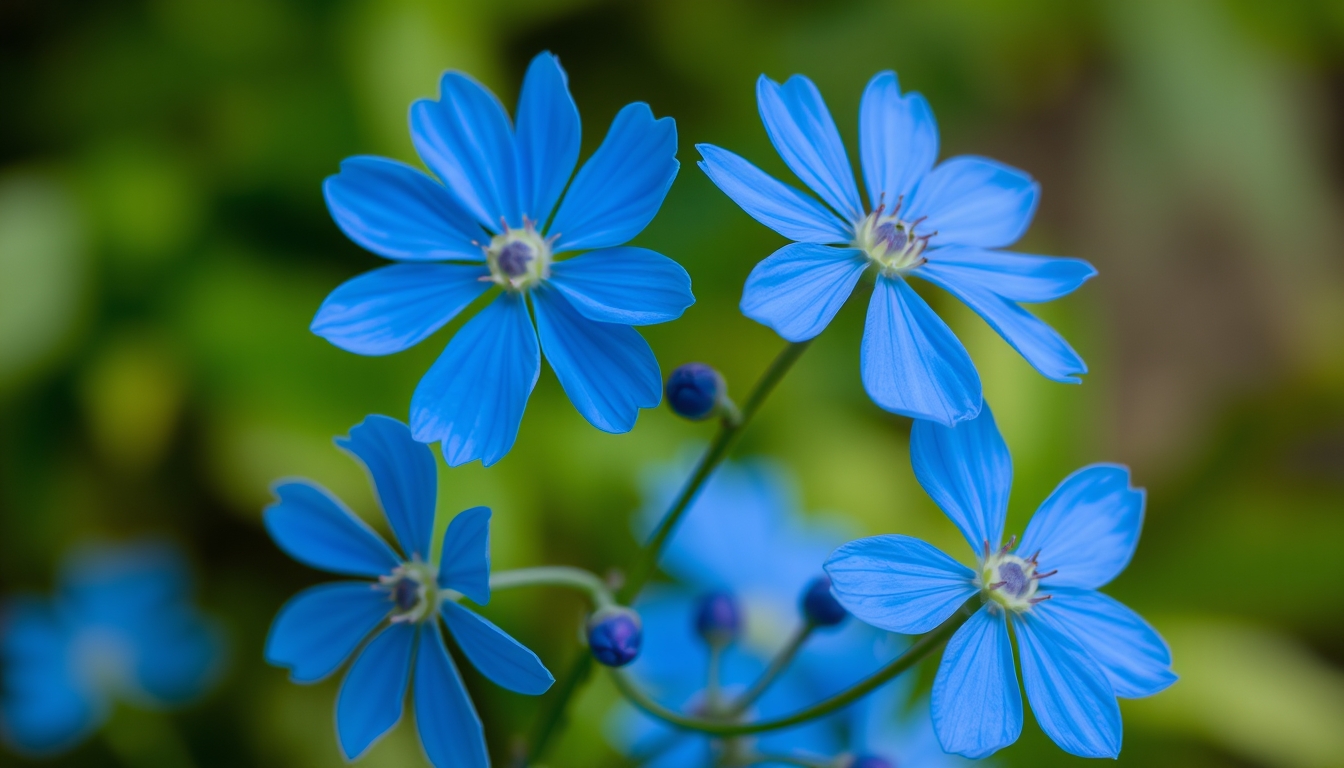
(1043, 575)
(986, 549)
(1033, 557)
(997, 584)
(1040, 599)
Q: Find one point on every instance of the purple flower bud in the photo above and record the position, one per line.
(615, 635)
(820, 606)
(718, 619)
(695, 391)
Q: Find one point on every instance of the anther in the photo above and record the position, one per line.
(997, 584)
(1040, 599)
(1043, 575)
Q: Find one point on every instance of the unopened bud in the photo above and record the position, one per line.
(615, 635)
(696, 391)
(717, 619)
(820, 606)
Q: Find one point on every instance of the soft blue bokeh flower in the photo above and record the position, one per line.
(887, 726)
(1079, 648)
(941, 224)
(120, 627)
(318, 629)
(744, 535)
(483, 222)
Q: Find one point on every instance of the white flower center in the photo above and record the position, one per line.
(891, 242)
(1010, 581)
(413, 590)
(519, 258)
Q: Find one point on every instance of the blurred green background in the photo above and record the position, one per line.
(164, 244)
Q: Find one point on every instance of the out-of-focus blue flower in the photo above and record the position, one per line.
(891, 734)
(318, 629)
(120, 627)
(742, 536)
(941, 224)
(1079, 648)
(484, 222)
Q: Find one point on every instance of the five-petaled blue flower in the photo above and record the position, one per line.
(941, 224)
(486, 225)
(317, 630)
(121, 627)
(1079, 648)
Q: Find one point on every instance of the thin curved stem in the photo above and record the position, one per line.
(777, 665)
(916, 652)
(556, 576)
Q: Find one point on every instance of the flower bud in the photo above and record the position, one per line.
(696, 391)
(615, 634)
(870, 761)
(717, 619)
(819, 606)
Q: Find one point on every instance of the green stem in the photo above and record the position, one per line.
(780, 662)
(712, 676)
(556, 576)
(916, 652)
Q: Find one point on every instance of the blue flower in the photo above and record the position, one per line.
(120, 627)
(318, 629)
(483, 223)
(941, 224)
(886, 727)
(1079, 648)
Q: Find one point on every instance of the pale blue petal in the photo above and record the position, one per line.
(466, 139)
(371, 696)
(498, 656)
(1134, 656)
(1069, 693)
(396, 307)
(464, 564)
(472, 398)
(311, 526)
(398, 212)
(630, 286)
(799, 288)
(318, 629)
(1037, 342)
(1088, 528)
(1014, 276)
(45, 707)
(179, 654)
(608, 370)
(912, 364)
(974, 201)
(618, 191)
(773, 203)
(976, 706)
(404, 476)
(967, 471)
(801, 128)
(898, 583)
(898, 140)
(450, 730)
(547, 136)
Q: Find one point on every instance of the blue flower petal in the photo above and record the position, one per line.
(967, 471)
(396, 307)
(179, 654)
(607, 370)
(404, 476)
(1040, 344)
(898, 583)
(450, 730)
(1088, 528)
(465, 138)
(799, 288)
(618, 191)
(547, 136)
(976, 706)
(630, 286)
(912, 364)
(124, 585)
(498, 656)
(1014, 276)
(371, 696)
(898, 140)
(1069, 693)
(464, 564)
(314, 528)
(974, 201)
(801, 128)
(45, 708)
(1133, 655)
(473, 396)
(317, 630)
(398, 212)
(773, 203)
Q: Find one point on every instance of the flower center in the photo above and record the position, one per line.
(889, 241)
(413, 590)
(1009, 580)
(519, 258)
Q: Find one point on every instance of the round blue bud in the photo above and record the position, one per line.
(615, 635)
(820, 606)
(870, 761)
(717, 619)
(694, 391)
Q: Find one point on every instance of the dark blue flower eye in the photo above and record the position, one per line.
(694, 391)
(819, 606)
(615, 636)
(718, 619)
